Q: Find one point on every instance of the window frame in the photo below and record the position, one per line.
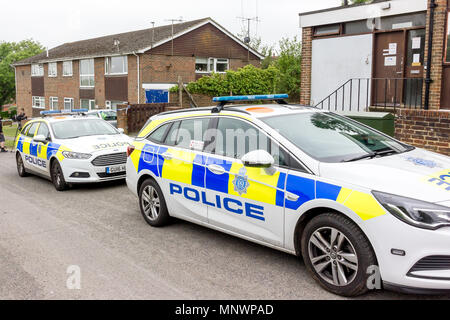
(91, 104)
(83, 76)
(40, 73)
(31, 126)
(214, 63)
(41, 124)
(337, 33)
(41, 100)
(108, 66)
(65, 63)
(64, 105)
(51, 100)
(55, 74)
(447, 38)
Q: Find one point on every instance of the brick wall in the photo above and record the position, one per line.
(305, 85)
(439, 35)
(428, 129)
(99, 67)
(62, 87)
(23, 89)
(132, 79)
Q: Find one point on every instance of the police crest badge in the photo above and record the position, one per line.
(240, 182)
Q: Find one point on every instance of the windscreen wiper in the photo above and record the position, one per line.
(373, 155)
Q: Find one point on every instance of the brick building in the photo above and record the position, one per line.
(133, 67)
(379, 55)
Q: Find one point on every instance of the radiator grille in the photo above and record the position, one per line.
(432, 263)
(110, 159)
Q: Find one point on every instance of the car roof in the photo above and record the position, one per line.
(251, 110)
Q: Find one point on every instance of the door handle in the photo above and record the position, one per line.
(291, 197)
(167, 156)
(216, 169)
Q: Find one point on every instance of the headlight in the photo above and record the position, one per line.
(420, 214)
(76, 155)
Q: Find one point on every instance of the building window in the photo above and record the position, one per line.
(67, 69)
(447, 58)
(53, 69)
(332, 29)
(68, 104)
(358, 27)
(87, 73)
(39, 102)
(37, 70)
(53, 103)
(209, 65)
(87, 104)
(116, 65)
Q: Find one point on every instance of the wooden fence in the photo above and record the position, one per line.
(133, 117)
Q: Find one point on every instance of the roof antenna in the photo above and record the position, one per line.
(180, 19)
(153, 33)
(247, 39)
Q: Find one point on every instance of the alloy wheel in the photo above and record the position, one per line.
(150, 202)
(333, 256)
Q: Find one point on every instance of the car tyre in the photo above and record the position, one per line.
(152, 204)
(20, 166)
(58, 177)
(337, 254)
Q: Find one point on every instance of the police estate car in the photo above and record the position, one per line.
(71, 148)
(360, 207)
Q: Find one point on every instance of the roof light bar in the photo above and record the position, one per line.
(80, 110)
(251, 98)
(61, 112)
(46, 113)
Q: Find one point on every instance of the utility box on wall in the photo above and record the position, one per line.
(381, 121)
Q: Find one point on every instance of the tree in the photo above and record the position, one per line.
(11, 52)
(288, 64)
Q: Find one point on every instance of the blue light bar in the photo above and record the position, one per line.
(44, 113)
(80, 110)
(251, 98)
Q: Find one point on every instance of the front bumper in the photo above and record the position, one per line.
(387, 233)
(70, 167)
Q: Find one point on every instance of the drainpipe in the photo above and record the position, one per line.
(138, 77)
(428, 79)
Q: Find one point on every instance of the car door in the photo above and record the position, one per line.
(29, 147)
(182, 168)
(245, 200)
(42, 149)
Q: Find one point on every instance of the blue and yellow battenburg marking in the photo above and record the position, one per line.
(26, 146)
(190, 168)
(440, 179)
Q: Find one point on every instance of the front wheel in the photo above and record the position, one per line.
(58, 177)
(153, 205)
(337, 254)
(20, 166)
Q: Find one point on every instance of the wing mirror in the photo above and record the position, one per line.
(259, 159)
(121, 130)
(40, 138)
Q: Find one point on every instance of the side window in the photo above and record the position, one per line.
(32, 130)
(25, 129)
(172, 134)
(159, 134)
(43, 130)
(192, 130)
(235, 138)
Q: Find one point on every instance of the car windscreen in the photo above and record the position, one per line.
(108, 115)
(81, 128)
(328, 137)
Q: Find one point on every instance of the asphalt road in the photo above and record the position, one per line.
(100, 230)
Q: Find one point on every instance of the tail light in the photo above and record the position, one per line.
(130, 150)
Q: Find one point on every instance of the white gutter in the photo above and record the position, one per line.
(138, 77)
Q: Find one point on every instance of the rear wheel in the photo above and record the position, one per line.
(20, 166)
(58, 177)
(337, 254)
(153, 205)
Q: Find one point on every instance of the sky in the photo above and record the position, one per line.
(54, 22)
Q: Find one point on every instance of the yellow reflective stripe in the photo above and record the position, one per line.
(26, 145)
(59, 154)
(262, 187)
(364, 205)
(42, 151)
(343, 195)
(180, 167)
(136, 155)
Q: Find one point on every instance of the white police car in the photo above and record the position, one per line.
(71, 148)
(359, 206)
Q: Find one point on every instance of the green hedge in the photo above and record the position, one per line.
(8, 115)
(248, 80)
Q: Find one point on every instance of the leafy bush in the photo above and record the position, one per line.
(248, 80)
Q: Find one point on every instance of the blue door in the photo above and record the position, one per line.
(156, 96)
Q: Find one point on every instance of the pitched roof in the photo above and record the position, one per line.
(135, 41)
